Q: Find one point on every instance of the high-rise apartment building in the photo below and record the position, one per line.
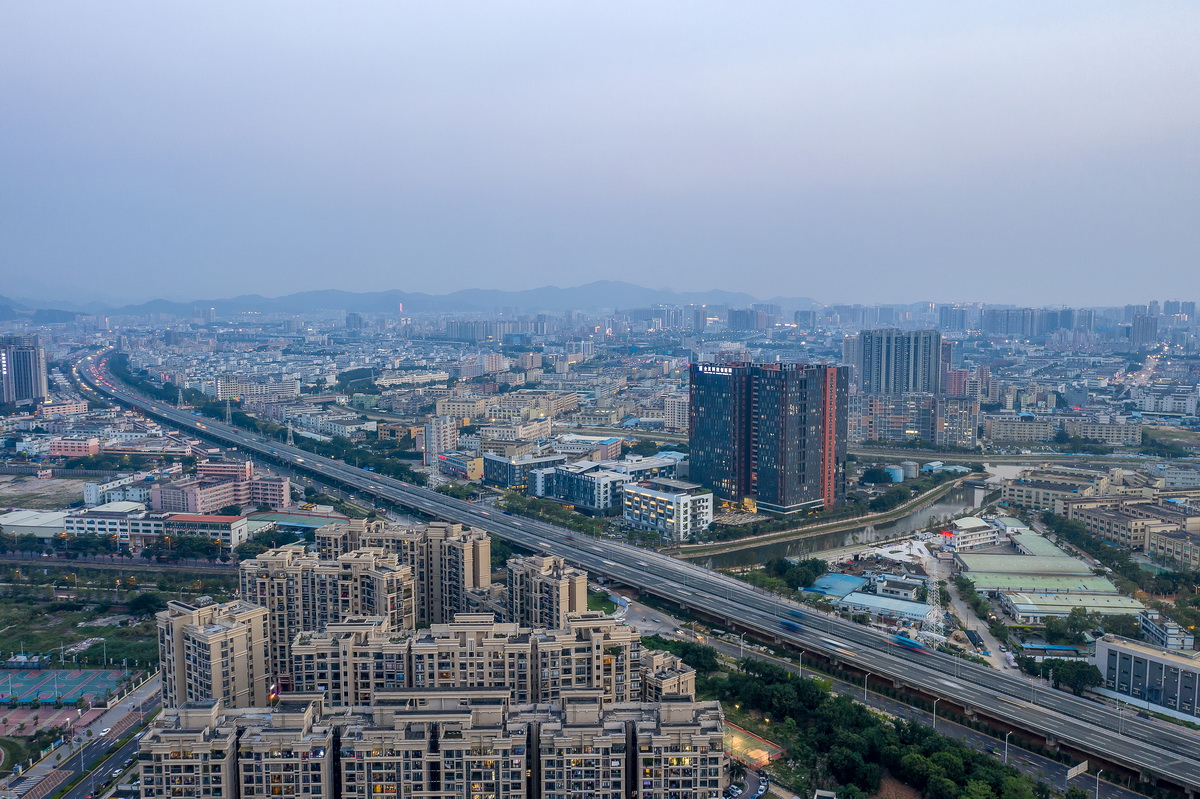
(361, 658)
(462, 745)
(214, 651)
(304, 592)
(775, 433)
(944, 421)
(440, 435)
(956, 317)
(543, 591)
(447, 560)
(22, 371)
(1144, 332)
(205, 315)
(893, 361)
(463, 710)
(675, 412)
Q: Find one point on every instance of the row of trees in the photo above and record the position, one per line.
(1157, 448)
(550, 511)
(1074, 628)
(900, 493)
(966, 590)
(466, 491)
(829, 736)
(1077, 675)
(166, 549)
(701, 658)
(797, 575)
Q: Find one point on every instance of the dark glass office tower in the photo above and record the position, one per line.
(22, 370)
(772, 432)
(719, 420)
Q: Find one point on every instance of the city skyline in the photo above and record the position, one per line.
(531, 400)
(597, 295)
(871, 155)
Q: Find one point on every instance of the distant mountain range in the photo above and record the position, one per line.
(11, 310)
(593, 296)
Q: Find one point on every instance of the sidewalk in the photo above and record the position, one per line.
(123, 715)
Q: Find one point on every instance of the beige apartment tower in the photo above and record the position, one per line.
(304, 592)
(352, 662)
(451, 745)
(214, 651)
(543, 591)
(447, 560)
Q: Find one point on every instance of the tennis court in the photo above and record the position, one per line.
(746, 747)
(27, 686)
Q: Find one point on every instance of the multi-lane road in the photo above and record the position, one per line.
(1156, 750)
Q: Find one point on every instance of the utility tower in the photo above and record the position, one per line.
(933, 626)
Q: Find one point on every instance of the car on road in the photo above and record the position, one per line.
(105, 731)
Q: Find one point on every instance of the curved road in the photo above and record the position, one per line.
(1156, 750)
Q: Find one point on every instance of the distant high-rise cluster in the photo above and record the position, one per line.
(774, 433)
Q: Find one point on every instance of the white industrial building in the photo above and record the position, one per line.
(674, 508)
(971, 532)
(43, 524)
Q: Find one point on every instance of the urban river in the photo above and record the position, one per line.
(958, 502)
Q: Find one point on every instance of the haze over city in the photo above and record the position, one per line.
(1027, 153)
(625, 400)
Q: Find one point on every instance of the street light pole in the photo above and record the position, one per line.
(935, 701)
(865, 677)
(1006, 746)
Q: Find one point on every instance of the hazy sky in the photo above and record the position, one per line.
(869, 151)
